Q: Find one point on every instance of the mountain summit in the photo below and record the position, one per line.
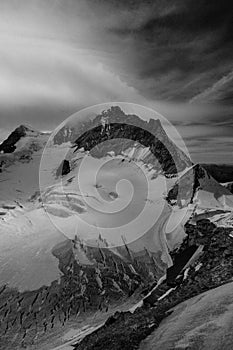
(9, 145)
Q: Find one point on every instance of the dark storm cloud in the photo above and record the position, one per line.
(179, 48)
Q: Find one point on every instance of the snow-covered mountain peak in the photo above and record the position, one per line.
(18, 137)
(197, 187)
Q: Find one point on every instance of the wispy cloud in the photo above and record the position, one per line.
(60, 56)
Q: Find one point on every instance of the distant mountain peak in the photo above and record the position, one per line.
(26, 128)
(131, 130)
(9, 145)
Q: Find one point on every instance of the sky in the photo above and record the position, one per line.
(59, 56)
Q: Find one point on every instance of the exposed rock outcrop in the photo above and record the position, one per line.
(64, 168)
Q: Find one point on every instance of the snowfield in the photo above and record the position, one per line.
(115, 196)
(125, 199)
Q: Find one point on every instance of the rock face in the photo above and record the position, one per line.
(64, 168)
(129, 130)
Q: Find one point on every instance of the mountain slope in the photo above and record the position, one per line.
(203, 322)
(68, 249)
